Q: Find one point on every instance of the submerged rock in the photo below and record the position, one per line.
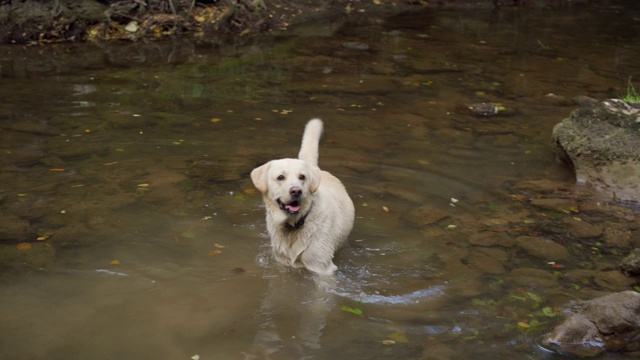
(490, 238)
(220, 169)
(583, 230)
(542, 249)
(630, 265)
(559, 205)
(14, 229)
(353, 45)
(489, 109)
(600, 141)
(543, 186)
(428, 215)
(613, 280)
(530, 277)
(607, 323)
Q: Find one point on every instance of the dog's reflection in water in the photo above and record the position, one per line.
(292, 315)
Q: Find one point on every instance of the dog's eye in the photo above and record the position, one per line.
(302, 177)
(280, 177)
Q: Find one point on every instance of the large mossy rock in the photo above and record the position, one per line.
(601, 142)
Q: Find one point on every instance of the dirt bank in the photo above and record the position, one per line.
(40, 21)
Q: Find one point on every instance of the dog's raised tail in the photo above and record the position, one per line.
(310, 142)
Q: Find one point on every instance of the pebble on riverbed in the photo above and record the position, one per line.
(354, 45)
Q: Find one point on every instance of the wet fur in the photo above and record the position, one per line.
(309, 236)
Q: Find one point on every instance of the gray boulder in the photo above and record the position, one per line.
(607, 323)
(601, 141)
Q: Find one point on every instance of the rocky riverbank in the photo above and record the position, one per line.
(39, 22)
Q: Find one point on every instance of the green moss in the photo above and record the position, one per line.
(632, 96)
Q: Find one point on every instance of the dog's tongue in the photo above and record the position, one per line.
(292, 208)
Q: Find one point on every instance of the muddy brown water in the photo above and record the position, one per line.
(130, 163)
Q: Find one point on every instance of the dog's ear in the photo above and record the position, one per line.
(315, 179)
(259, 177)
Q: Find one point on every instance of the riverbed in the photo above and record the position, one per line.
(132, 229)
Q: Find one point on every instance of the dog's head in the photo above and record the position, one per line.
(289, 183)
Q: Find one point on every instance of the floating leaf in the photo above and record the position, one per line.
(451, 226)
(188, 235)
(525, 327)
(219, 246)
(215, 120)
(534, 323)
(529, 221)
(388, 342)
(547, 311)
(57, 170)
(215, 252)
(471, 337)
(385, 208)
(348, 309)
(283, 111)
(480, 302)
(534, 297)
(24, 246)
(115, 262)
(399, 336)
(44, 236)
(250, 191)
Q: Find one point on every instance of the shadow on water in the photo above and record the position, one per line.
(130, 228)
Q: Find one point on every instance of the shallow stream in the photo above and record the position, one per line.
(132, 229)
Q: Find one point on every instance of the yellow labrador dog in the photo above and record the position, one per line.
(309, 213)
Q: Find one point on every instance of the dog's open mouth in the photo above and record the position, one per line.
(292, 207)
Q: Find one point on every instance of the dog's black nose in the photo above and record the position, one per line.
(295, 191)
